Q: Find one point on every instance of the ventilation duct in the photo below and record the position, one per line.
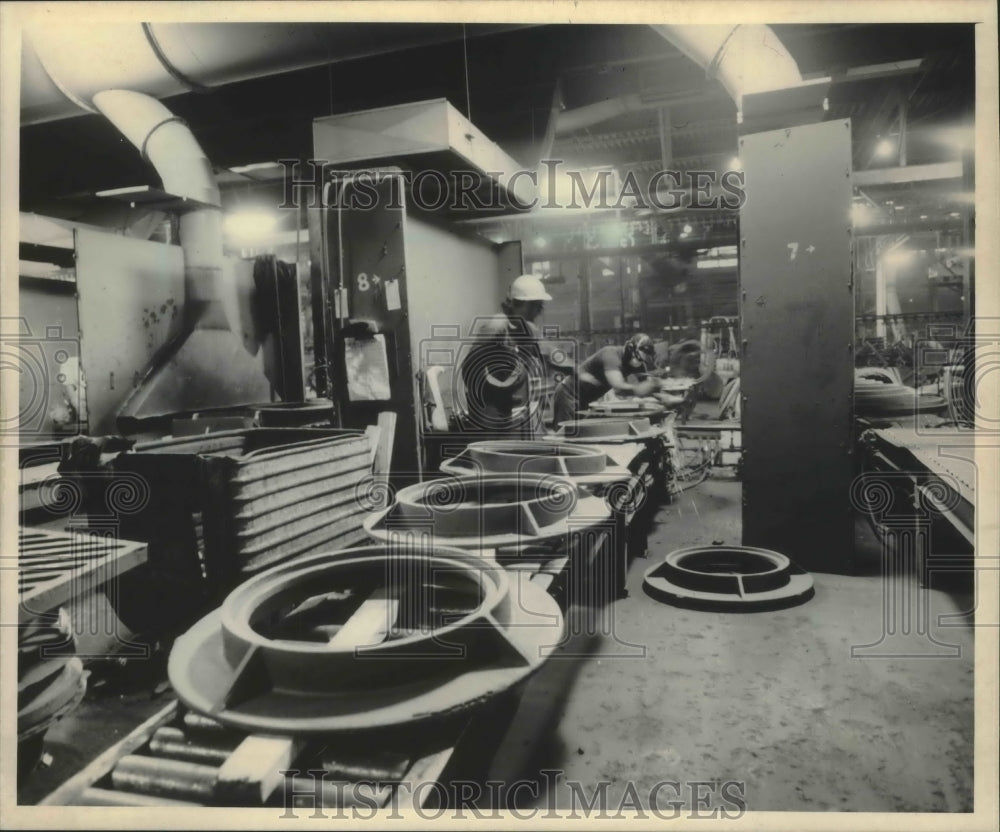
(64, 66)
(745, 60)
(206, 365)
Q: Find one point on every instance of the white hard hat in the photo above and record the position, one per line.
(528, 287)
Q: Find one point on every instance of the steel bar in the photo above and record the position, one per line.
(165, 778)
(173, 743)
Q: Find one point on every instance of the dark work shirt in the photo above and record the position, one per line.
(606, 358)
(516, 355)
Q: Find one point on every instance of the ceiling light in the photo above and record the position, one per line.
(735, 164)
(923, 216)
(250, 225)
(898, 256)
(687, 229)
(959, 138)
(884, 149)
(861, 213)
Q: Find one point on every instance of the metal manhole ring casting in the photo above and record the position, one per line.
(488, 511)
(605, 429)
(362, 639)
(584, 464)
(622, 408)
(734, 578)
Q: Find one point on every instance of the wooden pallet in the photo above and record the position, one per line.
(54, 567)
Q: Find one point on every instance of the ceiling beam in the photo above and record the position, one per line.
(909, 173)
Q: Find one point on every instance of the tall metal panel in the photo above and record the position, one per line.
(797, 305)
(368, 273)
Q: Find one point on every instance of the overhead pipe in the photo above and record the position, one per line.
(168, 144)
(64, 66)
(568, 121)
(745, 59)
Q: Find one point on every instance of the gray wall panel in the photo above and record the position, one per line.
(798, 321)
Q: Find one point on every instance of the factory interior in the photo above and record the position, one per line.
(570, 420)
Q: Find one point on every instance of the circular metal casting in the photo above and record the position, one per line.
(627, 407)
(733, 578)
(607, 429)
(873, 398)
(62, 693)
(488, 511)
(363, 638)
(583, 464)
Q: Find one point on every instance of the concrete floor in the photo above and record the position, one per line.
(645, 692)
(771, 700)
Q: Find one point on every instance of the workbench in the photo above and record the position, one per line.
(918, 491)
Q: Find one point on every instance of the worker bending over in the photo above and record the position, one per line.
(606, 370)
(503, 372)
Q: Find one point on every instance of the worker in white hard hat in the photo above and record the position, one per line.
(503, 373)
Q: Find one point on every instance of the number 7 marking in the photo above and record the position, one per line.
(795, 250)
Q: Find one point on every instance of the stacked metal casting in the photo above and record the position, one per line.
(605, 430)
(261, 495)
(488, 511)
(583, 464)
(879, 396)
(363, 638)
(626, 407)
(50, 682)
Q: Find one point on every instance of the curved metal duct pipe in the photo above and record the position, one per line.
(745, 59)
(168, 144)
(64, 66)
(206, 365)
